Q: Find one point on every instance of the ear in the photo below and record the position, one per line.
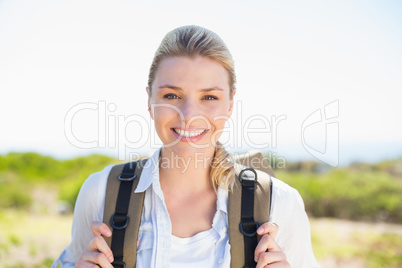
(231, 105)
(149, 103)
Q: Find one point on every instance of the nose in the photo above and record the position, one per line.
(190, 112)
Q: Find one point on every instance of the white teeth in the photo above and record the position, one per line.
(188, 133)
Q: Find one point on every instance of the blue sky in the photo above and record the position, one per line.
(293, 58)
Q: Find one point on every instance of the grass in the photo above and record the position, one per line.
(32, 240)
(371, 245)
(35, 240)
(383, 250)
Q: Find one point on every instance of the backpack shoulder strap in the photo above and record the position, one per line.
(262, 206)
(256, 160)
(135, 204)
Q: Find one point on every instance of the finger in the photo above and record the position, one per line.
(96, 258)
(99, 244)
(100, 228)
(270, 228)
(282, 264)
(83, 264)
(270, 258)
(267, 242)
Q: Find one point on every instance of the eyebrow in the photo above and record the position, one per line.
(180, 89)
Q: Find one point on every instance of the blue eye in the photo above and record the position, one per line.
(170, 96)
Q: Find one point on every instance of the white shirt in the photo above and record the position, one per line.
(159, 248)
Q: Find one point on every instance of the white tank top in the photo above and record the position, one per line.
(197, 251)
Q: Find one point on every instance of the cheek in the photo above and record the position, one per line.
(220, 123)
(218, 114)
(221, 116)
(164, 116)
(165, 111)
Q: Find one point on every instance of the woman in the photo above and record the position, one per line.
(184, 221)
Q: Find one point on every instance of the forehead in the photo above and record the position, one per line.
(191, 73)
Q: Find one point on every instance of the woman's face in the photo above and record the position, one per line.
(190, 103)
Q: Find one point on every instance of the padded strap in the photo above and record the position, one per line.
(123, 210)
(262, 205)
(248, 226)
(119, 219)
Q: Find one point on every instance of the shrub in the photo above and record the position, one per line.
(14, 195)
(20, 171)
(348, 194)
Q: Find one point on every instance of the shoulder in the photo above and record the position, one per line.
(294, 235)
(287, 208)
(93, 190)
(97, 179)
(284, 195)
(88, 208)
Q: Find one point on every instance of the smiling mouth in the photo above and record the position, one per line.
(189, 134)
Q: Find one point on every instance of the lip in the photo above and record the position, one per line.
(189, 139)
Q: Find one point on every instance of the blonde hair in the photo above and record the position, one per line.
(192, 41)
(222, 168)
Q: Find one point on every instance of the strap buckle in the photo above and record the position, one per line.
(119, 264)
(249, 234)
(119, 227)
(127, 179)
(248, 175)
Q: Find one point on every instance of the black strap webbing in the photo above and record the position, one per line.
(120, 219)
(248, 226)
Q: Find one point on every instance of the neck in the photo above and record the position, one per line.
(187, 173)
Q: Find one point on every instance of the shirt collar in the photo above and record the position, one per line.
(220, 221)
(150, 172)
(222, 200)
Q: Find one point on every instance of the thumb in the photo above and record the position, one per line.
(100, 228)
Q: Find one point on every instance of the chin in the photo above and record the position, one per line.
(189, 150)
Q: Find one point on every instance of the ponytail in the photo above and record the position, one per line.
(222, 168)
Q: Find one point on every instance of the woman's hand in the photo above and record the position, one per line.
(98, 253)
(274, 257)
